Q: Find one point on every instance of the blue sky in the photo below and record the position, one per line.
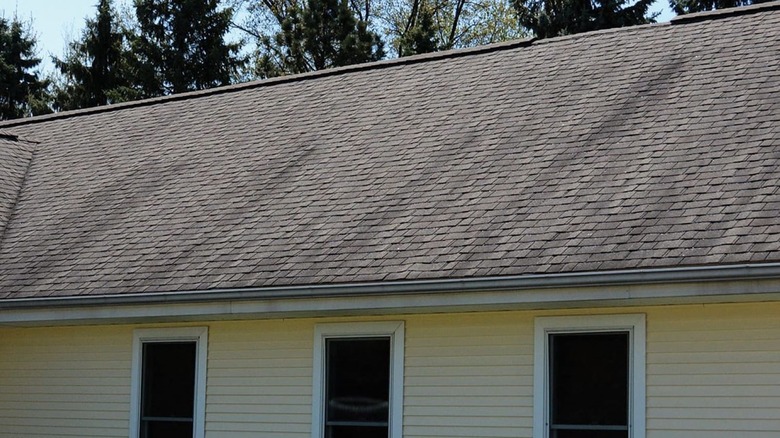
(54, 21)
(59, 21)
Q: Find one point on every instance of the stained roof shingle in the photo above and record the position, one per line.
(15, 156)
(645, 147)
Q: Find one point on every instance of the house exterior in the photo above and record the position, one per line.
(575, 237)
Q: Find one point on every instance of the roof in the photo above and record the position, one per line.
(647, 147)
(15, 159)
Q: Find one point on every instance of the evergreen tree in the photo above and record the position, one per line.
(681, 7)
(180, 46)
(96, 67)
(550, 18)
(317, 35)
(22, 91)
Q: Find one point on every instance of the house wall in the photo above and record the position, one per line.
(65, 382)
(712, 371)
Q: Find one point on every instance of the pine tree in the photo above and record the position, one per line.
(550, 18)
(22, 91)
(96, 68)
(318, 35)
(180, 46)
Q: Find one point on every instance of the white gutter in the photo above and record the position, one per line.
(700, 274)
(748, 282)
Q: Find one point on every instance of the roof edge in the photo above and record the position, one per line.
(521, 282)
(415, 59)
(376, 65)
(725, 12)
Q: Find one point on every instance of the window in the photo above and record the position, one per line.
(168, 388)
(589, 377)
(358, 380)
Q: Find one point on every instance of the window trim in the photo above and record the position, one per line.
(634, 324)
(395, 330)
(199, 335)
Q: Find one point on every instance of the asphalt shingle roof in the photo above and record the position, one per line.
(15, 158)
(645, 147)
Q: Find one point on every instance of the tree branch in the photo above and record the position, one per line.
(245, 30)
(454, 28)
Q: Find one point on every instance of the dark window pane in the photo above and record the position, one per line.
(589, 434)
(168, 380)
(166, 429)
(355, 432)
(358, 380)
(589, 380)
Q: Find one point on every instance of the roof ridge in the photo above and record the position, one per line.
(386, 63)
(725, 12)
(680, 19)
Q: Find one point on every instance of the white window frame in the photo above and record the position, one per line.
(394, 330)
(179, 334)
(634, 324)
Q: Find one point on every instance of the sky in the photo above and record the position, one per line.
(58, 21)
(54, 21)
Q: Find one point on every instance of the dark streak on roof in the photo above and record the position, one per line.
(647, 147)
(15, 159)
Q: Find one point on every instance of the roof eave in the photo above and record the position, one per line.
(629, 288)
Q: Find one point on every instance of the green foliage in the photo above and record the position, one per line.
(550, 18)
(315, 35)
(681, 7)
(420, 34)
(22, 91)
(180, 46)
(96, 68)
(421, 26)
(296, 36)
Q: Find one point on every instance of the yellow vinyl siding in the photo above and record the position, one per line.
(468, 375)
(65, 382)
(260, 379)
(712, 371)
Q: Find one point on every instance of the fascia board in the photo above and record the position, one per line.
(384, 301)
